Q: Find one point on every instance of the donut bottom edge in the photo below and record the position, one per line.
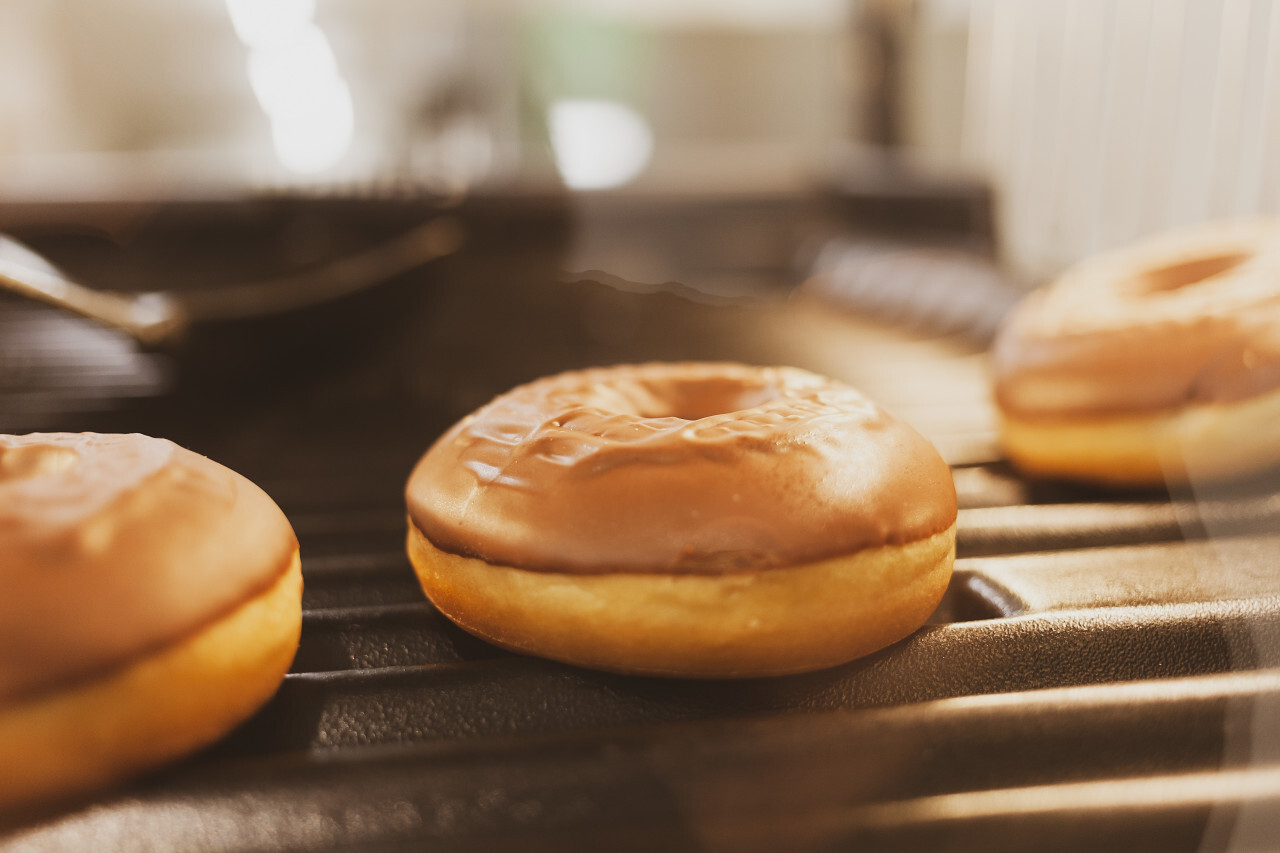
(770, 622)
(1202, 442)
(183, 696)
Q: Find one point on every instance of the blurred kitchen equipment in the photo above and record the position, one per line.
(251, 291)
(928, 289)
(164, 318)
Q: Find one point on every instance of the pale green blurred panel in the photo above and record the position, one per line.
(585, 55)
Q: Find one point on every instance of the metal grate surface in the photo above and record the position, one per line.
(1100, 673)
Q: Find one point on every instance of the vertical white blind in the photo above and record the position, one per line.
(1101, 121)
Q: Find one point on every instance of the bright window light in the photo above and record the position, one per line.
(296, 74)
(598, 144)
(313, 139)
(296, 79)
(261, 23)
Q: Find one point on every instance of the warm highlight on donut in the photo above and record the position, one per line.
(598, 509)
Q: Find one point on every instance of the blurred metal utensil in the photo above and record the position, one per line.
(163, 318)
(151, 318)
(932, 289)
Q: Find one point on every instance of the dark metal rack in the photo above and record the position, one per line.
(1101, 674)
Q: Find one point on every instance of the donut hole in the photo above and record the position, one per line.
(695, 399)
(1186, 273)
(35, 460)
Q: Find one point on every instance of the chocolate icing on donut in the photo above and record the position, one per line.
(1186, 318)
(113, 545)
(690, 468)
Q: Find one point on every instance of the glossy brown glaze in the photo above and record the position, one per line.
(1186, 318)
(678, 468)
(114, 545)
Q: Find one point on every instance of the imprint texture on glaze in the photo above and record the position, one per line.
(597, 470)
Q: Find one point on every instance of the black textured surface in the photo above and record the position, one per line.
(1101, 674)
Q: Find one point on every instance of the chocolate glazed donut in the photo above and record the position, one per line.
(151, 601)
(1153, 363)
(689, 519)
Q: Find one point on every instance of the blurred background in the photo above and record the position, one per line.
(1092, 122)
(918, 164)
